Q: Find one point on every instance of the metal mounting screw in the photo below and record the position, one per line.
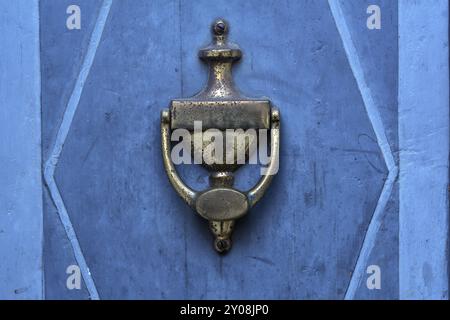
(220, 27)
(222, 245)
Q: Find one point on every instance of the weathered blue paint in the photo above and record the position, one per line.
(73, 46)
(328, 215)
(21, 212)
(424, 149)
(377, 123)
(375, 50)
(138, 238)
(64, 128)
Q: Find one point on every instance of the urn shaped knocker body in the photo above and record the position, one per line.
(224, 129)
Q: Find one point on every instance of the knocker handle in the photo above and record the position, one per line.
(186, 193)
(256, 193)
(189, 195)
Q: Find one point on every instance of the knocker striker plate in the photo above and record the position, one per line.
(221, 106)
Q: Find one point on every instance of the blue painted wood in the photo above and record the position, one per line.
(424, 149)
(317, 223)
(73, 46)
(367, 51)
(52, 162)
(139, 239)
(21, 235)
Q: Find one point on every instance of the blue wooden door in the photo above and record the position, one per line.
(332, 210)
(359, 208)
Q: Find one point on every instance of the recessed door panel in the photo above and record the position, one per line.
(332, 209)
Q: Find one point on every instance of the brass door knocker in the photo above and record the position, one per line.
(221, 107)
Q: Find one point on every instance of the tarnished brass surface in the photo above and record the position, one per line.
(224, 114)
(221, 204)
(221, 106)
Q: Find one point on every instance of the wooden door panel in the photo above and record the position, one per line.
(138, 239)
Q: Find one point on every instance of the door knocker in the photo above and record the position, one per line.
(221, 109)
